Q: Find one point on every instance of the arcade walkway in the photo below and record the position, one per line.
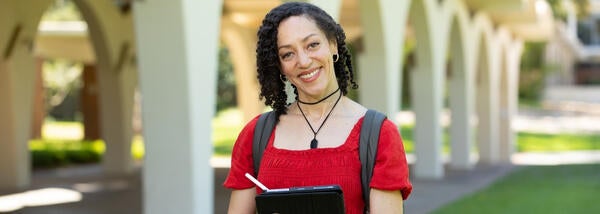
(121, 194)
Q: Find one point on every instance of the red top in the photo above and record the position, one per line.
(281, 168)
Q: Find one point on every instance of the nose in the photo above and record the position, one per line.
(304, 59)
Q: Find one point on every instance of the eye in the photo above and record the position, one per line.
(286, 55)
(313, 45)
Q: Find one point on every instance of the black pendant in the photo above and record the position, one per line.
(313, 143)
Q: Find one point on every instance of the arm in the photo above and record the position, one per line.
(390, 183)
(385, 201)
(242, 201)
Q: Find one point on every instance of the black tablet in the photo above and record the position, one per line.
(296, 200)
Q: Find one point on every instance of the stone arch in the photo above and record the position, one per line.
(486, 90)
(380, 57)
(241, 42)
(508, 96)
(17, 70)
(419, 17)
(427, 97)
(503, 102)
(25, 17)
(111, 34)
(460, 84)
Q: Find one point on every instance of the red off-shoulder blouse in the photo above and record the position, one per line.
(281, 168)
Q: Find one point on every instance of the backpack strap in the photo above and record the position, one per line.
(262, 133)
(369, 139)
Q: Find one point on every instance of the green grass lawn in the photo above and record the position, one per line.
(225, 132)
(534, 142)
(228, 124)
(536, 189)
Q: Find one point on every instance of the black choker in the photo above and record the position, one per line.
(321, 100)
(314, 143)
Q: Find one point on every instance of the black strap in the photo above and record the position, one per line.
(369, 139)
(262, 133)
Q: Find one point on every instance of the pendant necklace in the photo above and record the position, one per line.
(314, 143)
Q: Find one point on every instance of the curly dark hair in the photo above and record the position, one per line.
(267, 61)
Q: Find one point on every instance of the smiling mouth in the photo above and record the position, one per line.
(311, 74)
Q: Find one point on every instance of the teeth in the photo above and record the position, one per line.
(309, 75)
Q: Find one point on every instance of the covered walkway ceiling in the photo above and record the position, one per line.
(525, 18)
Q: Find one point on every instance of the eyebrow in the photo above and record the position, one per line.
(303, 40)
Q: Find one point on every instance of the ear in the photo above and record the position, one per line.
(333, 47)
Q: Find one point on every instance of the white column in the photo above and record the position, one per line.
(509, 101)
(379, 65)
(460, 98)
(116, 81)
(11, 177)
(22, 69)
(116, 105)
(487, 103)
(177, 47)
(18, 71)
(461, 92)
(427, 85)
(428, 131)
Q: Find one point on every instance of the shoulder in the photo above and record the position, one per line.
(247, 133)
(356, 107)
(389, 132)
(387, 124)
(352, 109)
(251, 125)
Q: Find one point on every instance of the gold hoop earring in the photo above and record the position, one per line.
(336, 57)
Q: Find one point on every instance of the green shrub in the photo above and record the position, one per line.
(54, 153)
(82, 156)
(46, 158)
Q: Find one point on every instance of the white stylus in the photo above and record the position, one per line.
(258, 183)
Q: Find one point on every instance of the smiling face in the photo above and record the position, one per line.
(306, 57)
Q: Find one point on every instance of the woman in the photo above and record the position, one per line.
(315, 141)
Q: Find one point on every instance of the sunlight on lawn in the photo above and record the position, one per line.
(62, 130)
(38, 197)
(228, 123)
(69, 135)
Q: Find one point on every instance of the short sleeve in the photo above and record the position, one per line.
(391, 168)
(241, 159)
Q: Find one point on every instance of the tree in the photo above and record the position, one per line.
(226, 85)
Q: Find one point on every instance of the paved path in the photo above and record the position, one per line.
(101, 194)
(122, 194)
